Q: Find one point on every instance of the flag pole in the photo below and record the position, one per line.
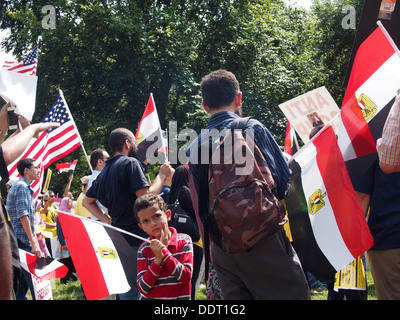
(386, 33)
(104, 225)
(79, 136)
(394, 46)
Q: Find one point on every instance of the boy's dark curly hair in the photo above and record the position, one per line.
(149, 200)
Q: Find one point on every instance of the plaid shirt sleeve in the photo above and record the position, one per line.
(388, 146)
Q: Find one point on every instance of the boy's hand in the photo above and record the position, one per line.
(165, 235)
(156, 246)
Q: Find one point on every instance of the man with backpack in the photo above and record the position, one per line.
(248, 248)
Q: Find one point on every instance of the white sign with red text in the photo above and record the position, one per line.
(310, 110)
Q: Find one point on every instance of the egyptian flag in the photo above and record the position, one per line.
(327, 224)
(149, 135)
(66, 167)
(103, 259)
(372, 86)
(291, 145)
(44, 268)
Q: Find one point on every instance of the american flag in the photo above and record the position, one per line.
(28, 64)
(52, 144)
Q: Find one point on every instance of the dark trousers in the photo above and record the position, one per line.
(270, 270)
(25, 280)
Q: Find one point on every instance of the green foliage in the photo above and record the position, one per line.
(108, 56)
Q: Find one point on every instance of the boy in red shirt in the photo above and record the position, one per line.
(165, 264)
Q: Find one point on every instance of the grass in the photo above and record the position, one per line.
(73, 291)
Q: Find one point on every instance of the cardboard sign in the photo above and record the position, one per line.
(309, 110)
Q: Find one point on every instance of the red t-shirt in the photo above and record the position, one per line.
(171, 279)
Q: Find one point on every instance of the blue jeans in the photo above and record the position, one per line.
(25, 280)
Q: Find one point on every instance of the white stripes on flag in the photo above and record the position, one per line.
(324, 225)
(51, 145)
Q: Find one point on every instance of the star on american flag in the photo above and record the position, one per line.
(58, 113)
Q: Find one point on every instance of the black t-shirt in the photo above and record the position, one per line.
(115, 188)
(384, 216)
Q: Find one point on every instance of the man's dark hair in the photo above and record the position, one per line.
(219, 89)
(96, 155)
(117, 139)
(23, 164)
(149, 200)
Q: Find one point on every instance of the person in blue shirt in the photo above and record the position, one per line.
(21, 209)
(271, 268)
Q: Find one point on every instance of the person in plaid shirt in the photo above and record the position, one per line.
(388, 146)
(21, 209)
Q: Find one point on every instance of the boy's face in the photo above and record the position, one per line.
(153, 220)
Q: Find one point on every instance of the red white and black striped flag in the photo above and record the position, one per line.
(66, 167)
(103, 259)
(44, 268)
(149, 133)
(327, 224)
(52, 144)
(372, 86)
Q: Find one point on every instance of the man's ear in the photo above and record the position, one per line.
(238, 99)
(168, 213)
(205, 107)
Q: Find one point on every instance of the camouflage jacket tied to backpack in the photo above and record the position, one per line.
(244, 207)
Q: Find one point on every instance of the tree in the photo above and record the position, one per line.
(108, 56)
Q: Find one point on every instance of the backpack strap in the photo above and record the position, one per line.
(240, 123)
(202, 203)
(203, 196)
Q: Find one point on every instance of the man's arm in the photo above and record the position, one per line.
(93, 208)
(32, 238)
(388, 146)
(165, 171)
(15, 145)
(364, 200)
(68, 186)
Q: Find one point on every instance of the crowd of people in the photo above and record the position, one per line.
(168, 266)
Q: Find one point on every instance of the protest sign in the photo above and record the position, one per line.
(309, 110)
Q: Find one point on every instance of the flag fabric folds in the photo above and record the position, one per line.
(28, 65)
(149, 133)
(44, 268)
(103, 259)
(372, 86)
(327, 224)
(18, 82)
(66, 167)
(291, 146)
(51, 145)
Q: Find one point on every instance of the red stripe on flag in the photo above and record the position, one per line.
(371, 55)
(357, 129)
(31, 263)
(147, 111)
(84, 258)
(353, 227)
